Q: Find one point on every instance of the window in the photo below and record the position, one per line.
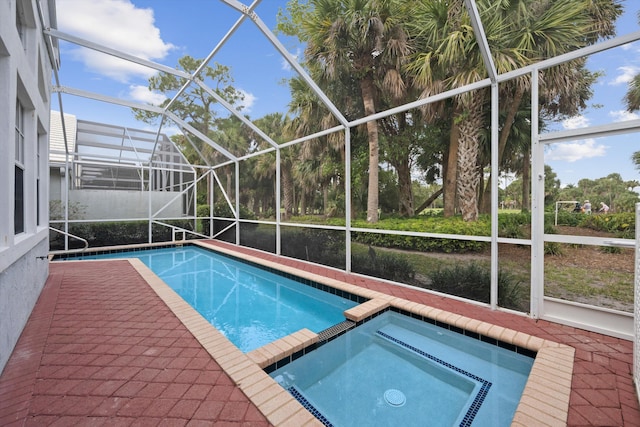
(18, 218)
(20, 21)
(18, 224)
(38, 169)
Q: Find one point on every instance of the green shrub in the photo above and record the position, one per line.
(422, 244)
(620, 224)
(552, 248)
(220, 209)
(384, 265)
(473, 281)
(564, 218)
(511, 230)
(431, 224)
(610, 250)
(321, 246)
(117, 233)
(258, 236)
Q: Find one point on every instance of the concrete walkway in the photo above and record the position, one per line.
(101, 348)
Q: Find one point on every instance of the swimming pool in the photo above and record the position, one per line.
(397, 370)
(249, 305)
(547, 391)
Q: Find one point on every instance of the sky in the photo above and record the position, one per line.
(163, 31)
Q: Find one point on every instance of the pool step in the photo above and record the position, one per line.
(283, 347)
(366, 309)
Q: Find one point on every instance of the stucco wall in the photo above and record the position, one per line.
(20, 286)
(25, 96)
(106, 204)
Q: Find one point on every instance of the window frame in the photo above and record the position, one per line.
(19, 171)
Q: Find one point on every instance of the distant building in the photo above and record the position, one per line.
(26, 65)
(109, 173)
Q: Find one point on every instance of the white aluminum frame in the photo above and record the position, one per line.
(609, 321)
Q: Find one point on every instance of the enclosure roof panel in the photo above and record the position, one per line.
(56, 136)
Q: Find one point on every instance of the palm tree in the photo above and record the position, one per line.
(362, 39)
(319, 158)
(635, 158)
(519, 33)
(277, 124)
(445, 58)
(632, 99)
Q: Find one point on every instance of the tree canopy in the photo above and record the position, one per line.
(371, 55)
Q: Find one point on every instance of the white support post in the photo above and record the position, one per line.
(278, 243)
(537, 206)
(237, 165)
(210, 188)
(347, 198)
(495, 171)
(636, 337)
(149, 203)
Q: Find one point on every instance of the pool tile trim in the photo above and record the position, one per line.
(60, 255)
(549, 380)
(309, 406)
(551, 359)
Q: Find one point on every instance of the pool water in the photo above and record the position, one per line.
(250, 306)
(395, 370)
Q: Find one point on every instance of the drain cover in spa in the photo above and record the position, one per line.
(394, 397)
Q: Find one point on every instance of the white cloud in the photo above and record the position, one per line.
(575, 122)
(110, 66)
(628, 46)
(623, 115)
(167, 130)
(574, 151)
(625, 75)
(117, 24)
(285, 64)
(143, 94)
(248, 102)
(170, 130)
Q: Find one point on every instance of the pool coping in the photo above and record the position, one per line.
(545, 399)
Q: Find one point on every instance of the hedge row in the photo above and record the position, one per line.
(116, 233)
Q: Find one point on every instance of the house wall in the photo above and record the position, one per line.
(115, 204)
(25, 77)
(56, 184)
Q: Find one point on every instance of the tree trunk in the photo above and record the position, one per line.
(468, 148)
(303, 202)
(513, 108)
(526, 182)
(427, 202)
(325, 198)
(404, 187)
(287, 192)
(367, 88)
(485, 196)
(229, 186)
(451, 172)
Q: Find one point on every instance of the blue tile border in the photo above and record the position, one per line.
(480, 396)
(97, 251)
(308, 406)
(329, 289)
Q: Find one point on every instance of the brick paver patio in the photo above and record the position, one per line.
(101, 348)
